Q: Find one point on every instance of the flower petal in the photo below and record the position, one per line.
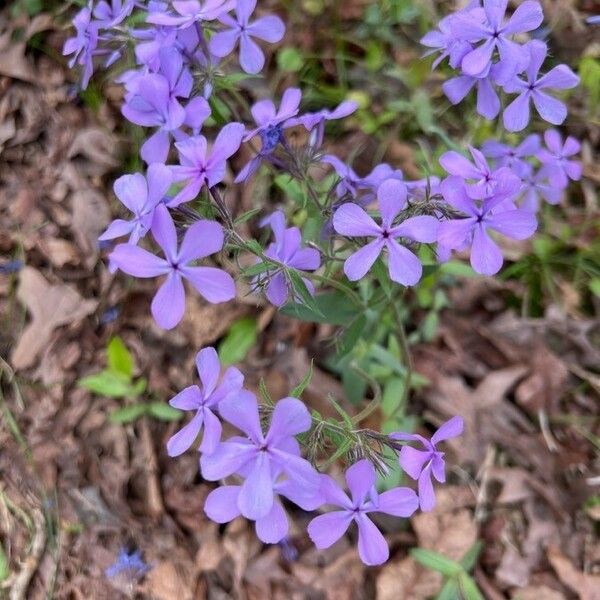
(412, 460)
(550, 109)
(214, 285)
(360, 478)
(256, 496)
(273, 527)
(403, 266)
(209, 369)
(515, 224)
(270, 29)
(486, 257)
(422, 228)
(189, 398)
(242, 412)
(290, 417)
(228, 458)
(351, 220)
(185, 437)
(450, 429)
(391, 197)
(163, 231)
(399, 502)
(168, 304)
(132, 191)
(325, 530)
(202, 239)
(138, 262)
(372, 547)
(516, 114)
(221, 504)
(426, 493)
(358, 264)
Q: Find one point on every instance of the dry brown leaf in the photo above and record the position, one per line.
(98, 147)
(13, 62)
(90, 217)
(50, 306)
(407, 580)
(537, 592)
(587, 586)
(166, 582)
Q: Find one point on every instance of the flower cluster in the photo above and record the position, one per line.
(260, 468)
(338, 228)
(479, 42)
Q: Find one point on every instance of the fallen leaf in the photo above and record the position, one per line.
(50, 306)
(587, 586)
(13, 62)
(98, 147)
(90, 217)
(537, 592)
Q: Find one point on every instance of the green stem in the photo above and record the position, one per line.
(374, 404)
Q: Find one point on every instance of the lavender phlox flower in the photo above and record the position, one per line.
(199, 166)
(110, 14)
(328, 528)
(270, 126)
(202, 239)
(188, 12)
(259, 456)
(315, 121)
(488, 102)
(287, 250)
(422, 464)
(204, 401)
(223, 505)
(557, 162)
(593, 20)
(497, 213)
(513, 157)
(84, 44)
(485, 178)
(536, 186)
(149, 43)
(270, 29)
(141, 195)
(352, 221)
(495, 32)
(516, 114)
(349, 179)
(444, 41)
(129, 563)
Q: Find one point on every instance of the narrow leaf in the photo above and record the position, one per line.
(436, 562)
(299, 389)
(128, 414)
(119, 358)
(238, 341)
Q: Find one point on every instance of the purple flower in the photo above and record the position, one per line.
(328, 528)
(257, 457)
(152, 101)
(204, 400)
(199, 166)
(536, 186)
(593, 20)
(271, 124)
(516, 114)
(497, 213)
(352, 221)
(270, 29)
(446, 43)
(513, 157)
(287, 250)
(114, 13)
(488, 103)
(223, 505)
(202, 239)
(479, 170)
(190, 12)
(83, 45)
(495, 32)
(141, 195)
(421, 464)
(131, 564)
(556, 160)
(310, 121)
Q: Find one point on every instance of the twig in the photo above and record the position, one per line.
(21, 582)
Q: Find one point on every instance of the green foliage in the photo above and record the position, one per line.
(299, 389)
(331, 307)
(290, 60)
(589, 71)
(4, 567)
(238, 341)
(458, 584)
(116, 381)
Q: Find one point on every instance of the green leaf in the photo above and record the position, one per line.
(469, 560)
(246, 216)
(299, 389)
(333, 308)
(128, 414)
(107, 383)
(469, 588)
(449, 591)
(257, 269)
(352, 334)
(393, 393)
(290, 60)
(164, 412)
(119, 358)
(238, 341)
(301, 290)
(264, 392)
(4, 568)
(436, 562)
